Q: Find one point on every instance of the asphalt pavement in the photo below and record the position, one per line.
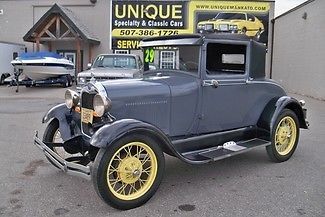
(243, 185)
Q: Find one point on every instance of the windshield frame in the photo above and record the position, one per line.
(217, 17)
(196, 73)
(100, 58)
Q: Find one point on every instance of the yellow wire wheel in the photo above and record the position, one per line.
(127, 173)
(285, 136)
(132, 171)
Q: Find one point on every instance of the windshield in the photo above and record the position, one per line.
(115, 61)
(230, 16)
(183, 58)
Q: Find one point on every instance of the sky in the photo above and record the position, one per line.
(282, 6)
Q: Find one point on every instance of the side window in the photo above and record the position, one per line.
(251, 17)
(225, 59)
(167, 60)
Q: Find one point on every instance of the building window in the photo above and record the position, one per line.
(121, 51)
(167, 60)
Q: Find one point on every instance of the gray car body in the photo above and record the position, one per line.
(185, 112)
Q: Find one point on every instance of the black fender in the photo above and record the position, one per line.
(274, 108)
(109, 133)
(67, 121)
(292, 104)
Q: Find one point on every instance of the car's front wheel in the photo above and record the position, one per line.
(285, 136)
(52, 135)
(128, 173)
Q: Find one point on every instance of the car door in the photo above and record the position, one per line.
(227, 98)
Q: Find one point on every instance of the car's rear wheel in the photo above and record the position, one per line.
(128, 173)
(2, 79)
(258, 34)
(65, 81)
(285, 136)
(244, 30)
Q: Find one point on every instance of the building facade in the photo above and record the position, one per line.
(82, 29)
(299, 49)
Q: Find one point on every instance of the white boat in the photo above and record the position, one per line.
(43, 65)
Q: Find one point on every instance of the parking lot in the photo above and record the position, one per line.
(244, 185)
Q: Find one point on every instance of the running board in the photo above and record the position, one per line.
(226, 150)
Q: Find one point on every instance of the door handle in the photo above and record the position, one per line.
(210, 83)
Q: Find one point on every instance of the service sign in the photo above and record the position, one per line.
(134, 20)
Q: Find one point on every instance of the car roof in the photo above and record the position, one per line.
(191, 39)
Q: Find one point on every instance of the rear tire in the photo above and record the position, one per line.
(285, 136)
(258, 35)
(244, 30)
(2, 80)
(129, 172)
(65, 82)
(69, 80)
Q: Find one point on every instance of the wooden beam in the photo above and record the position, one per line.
(50, 34)
(50, 46)
(55, 39)
(78, 48)
(37, 45)
(90, 58)
(46, 27)
(65, 34)
(58, 27)
(69, 27)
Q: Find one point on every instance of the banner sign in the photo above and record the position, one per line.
(133, 20)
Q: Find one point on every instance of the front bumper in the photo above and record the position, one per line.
(70, 168)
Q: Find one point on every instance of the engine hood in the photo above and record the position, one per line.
(146, 100)
(107, 72)
(151, 98)
(136, 90)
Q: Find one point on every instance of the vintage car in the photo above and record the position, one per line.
(242, 23)
(111, 66)
(207, 100)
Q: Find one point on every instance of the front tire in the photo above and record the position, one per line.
(128, 173)
(285, 136)
(52, 135)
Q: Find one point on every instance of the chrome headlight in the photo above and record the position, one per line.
(101, 104)
(71, 98)
(233, 27)
(81, 80)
